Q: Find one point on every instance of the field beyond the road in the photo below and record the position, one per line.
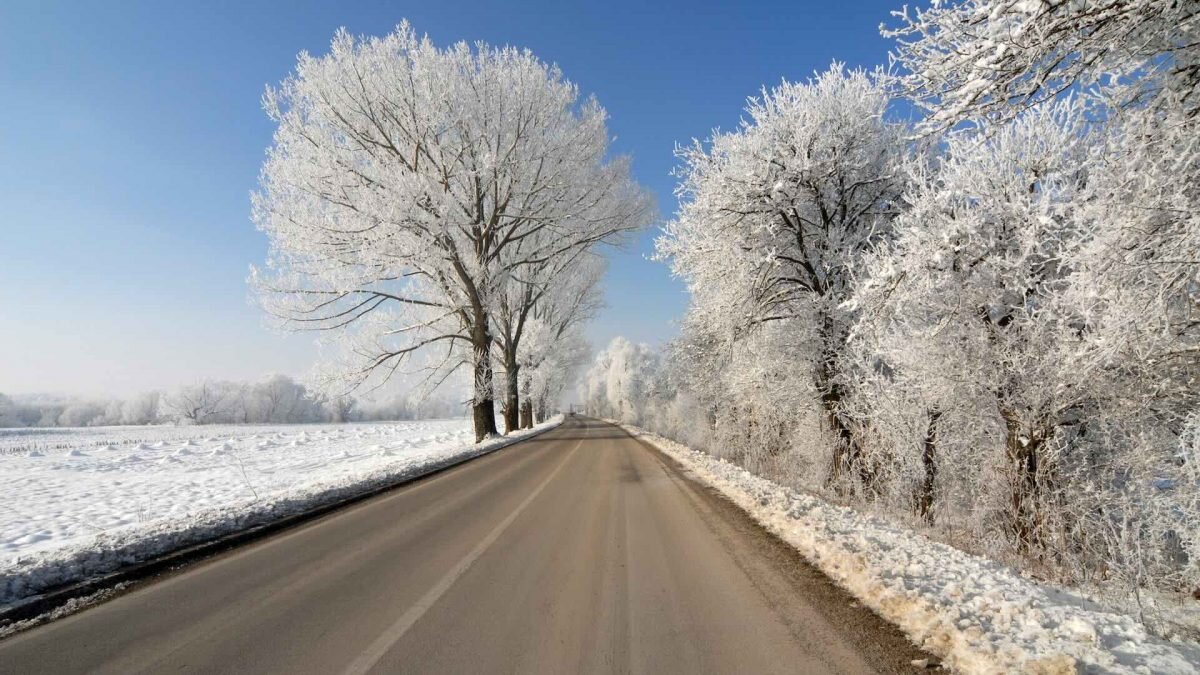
(112, 489)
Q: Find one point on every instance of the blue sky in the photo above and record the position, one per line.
(131, 136)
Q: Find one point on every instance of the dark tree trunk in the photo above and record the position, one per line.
(1023, 450)
(512, 397)
(483, 407)
(847, 455)
(929, 461)
(485, 419)
(843, 454)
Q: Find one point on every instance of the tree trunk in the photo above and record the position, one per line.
(929, 461)
(847, 455)
(1022, 451)
(512, 396)
(484, 413)
(483, 407)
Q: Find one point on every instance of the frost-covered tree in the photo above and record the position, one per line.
(539, 337)
(775, 216)
(81, 414)
(277, 398)
(1136, 281)
(1028, 342)
(537, 310)
(1106, 351)
(280, 399)
(967, 295)
(1135, 288)
(970, 59)
(141, 408)
(618, 384)
(342, 409)
(408, 186)
(553, 371)
(204, 402)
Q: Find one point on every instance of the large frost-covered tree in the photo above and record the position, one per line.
(1101, 382)
(1027, 347)
(966, 297)
(775, 216)
(409, 186)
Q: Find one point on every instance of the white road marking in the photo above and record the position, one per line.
(371, 656)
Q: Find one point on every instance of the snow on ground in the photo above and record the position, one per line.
(975, 614)
(80, 503)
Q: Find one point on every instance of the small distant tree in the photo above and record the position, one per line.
(618, 384)
(342, 409)
(49, 414)
(201, 403)
(280, 399)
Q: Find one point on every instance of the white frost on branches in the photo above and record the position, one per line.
(773, 219)
(991, 333)
(992, 58)
(409, 188)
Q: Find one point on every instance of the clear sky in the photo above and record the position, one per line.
(131, 136)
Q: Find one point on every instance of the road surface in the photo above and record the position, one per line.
(581, 550)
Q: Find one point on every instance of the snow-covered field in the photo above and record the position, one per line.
(975, 614)
(82, 502)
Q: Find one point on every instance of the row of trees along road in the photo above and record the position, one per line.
(978, 310)
(438, 209)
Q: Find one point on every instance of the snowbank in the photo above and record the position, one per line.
(74, 514)
(976, 615)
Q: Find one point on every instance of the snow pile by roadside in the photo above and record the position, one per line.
(977, 615)
(79, 515)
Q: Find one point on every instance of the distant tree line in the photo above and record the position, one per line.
(277, 399)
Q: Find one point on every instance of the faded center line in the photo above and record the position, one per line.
(371, 656)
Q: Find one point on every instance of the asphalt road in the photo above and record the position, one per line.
(581, 550)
